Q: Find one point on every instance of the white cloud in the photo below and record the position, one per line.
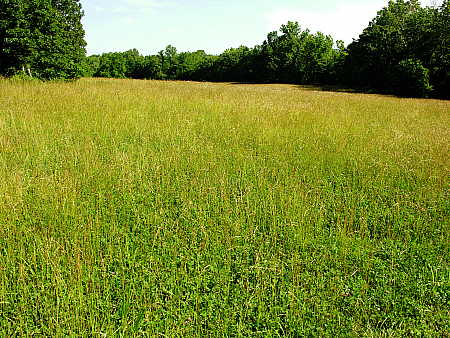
(99, 9)
(345, 22)
(129, 20)
(432, 3)
(134, 7)
(120, 10)
(147, 3)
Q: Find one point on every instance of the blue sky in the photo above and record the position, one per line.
(215, 25)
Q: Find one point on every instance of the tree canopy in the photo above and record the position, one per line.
(45, 36)
(404, 50)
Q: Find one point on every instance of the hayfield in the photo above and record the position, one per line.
(190, 209)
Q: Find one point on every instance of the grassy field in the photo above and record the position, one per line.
(195, 209)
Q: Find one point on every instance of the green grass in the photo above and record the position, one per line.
(193, 209)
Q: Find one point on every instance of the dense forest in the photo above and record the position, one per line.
(44, 38)
(405, 50)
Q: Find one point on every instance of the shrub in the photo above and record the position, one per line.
(411, 78)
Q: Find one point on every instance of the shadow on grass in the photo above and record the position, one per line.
(317, 87)
(336, 88)
(356, 90)
(341, 89)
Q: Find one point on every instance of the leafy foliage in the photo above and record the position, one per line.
(405, 42)
(405, 50)
(297, 56)
(411, 78)
(440, 57)
(294, 56)
(45, 36)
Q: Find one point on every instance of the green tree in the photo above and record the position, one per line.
(112, 65)
(206, 70)
(281, 52)
(296, 56)
(411, 78)
(151, 67)
(45, 36)
(169, 62)
(133, 63)
(440, 56)
(90, 65)
(188, 62)
(404, 41)
(232, 65)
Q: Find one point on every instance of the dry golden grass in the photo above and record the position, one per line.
(181, 208)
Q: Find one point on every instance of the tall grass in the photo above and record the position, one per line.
(191, 209)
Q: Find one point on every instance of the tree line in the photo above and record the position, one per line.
(405, 50)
